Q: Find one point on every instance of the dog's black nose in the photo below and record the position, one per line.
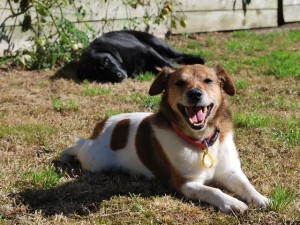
(119, 75)
(195, 95)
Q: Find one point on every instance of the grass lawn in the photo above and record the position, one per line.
(40, 116)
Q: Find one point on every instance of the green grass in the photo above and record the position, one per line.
(287, 130)
(279, 64)
(249, 48)
(29, 133)
(210, 41)
(245, 42)
(59, 105)
(251, 120)
(137, 203)
(241, 84)
(111, 112)
(150, 102)
(245, 34)
(293, 35)
(290, 137)
(95, 91)
(193, 44)
(45, 179)
(281, 198)
(283, 64)
(207, 55)
(284, 104)
(145, 76)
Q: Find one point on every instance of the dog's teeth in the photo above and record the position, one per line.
(192, 122)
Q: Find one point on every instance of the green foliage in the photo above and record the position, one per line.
(64, 49)
(281, 198)
(57, 40)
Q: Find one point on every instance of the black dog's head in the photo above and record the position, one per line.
(108, 65)
(101, 63)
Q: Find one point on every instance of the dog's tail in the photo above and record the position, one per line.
(68, 153)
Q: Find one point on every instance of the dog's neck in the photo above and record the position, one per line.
(203, 143)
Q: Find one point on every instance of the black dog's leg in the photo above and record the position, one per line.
(165, 50)
(158, 60)
(189, 59)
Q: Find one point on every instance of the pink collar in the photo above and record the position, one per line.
(204, 144)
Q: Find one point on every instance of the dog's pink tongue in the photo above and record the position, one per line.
(196, 113)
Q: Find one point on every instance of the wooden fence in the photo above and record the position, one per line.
(201, 16)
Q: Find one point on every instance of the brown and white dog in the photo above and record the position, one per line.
(188, 142)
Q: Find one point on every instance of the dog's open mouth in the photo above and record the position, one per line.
(196, 115)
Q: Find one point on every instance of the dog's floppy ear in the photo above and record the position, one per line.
(227, 82)
(161, 80)
(99, 46)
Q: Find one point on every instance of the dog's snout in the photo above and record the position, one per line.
(195, 95)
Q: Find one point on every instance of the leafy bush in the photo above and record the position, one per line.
(56, 40)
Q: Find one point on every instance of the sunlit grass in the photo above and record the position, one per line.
(145, 76)
(29, 133)
(95, 91)
(251, 120)
(281, 198)
(69, 104)
(45, 178)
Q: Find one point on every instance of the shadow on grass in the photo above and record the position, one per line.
(85, 193)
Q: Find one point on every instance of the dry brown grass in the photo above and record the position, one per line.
(33, 132)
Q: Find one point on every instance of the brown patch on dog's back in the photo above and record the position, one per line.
(98, 129)
(152, 155)
(119, 136)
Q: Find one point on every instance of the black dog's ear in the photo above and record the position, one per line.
(226, 80)
(116, 54)
(160, 82)
(100, 46)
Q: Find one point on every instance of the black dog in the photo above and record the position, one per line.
(120, 54)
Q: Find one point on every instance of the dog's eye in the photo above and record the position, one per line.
(180, 83)
(208, 81)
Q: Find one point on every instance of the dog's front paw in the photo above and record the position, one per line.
(233, 205)
(259, 200)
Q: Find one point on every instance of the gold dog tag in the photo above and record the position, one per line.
(207, 159)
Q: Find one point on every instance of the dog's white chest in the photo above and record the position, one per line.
(186, 158)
